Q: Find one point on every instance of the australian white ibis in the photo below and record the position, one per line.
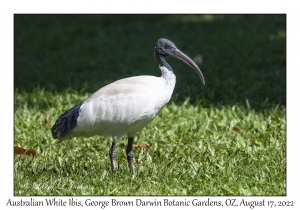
(124, 106)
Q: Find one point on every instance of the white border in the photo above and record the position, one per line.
(8, 8)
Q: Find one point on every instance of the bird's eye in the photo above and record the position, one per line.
(166, 47)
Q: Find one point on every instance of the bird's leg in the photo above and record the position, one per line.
(112, 153)
(129, 154)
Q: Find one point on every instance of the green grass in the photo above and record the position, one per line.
(227, 138)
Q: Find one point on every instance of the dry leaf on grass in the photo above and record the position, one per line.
(46, 121)
(237, 129)
(23, 150)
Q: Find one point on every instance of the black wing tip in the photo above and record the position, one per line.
(65, 123)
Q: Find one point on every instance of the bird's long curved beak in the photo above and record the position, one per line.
(181, 56)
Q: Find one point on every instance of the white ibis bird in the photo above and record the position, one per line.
(125, 106)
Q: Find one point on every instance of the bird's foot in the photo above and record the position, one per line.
(130, 161)
(112, 156)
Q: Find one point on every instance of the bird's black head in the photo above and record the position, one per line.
(165, 47)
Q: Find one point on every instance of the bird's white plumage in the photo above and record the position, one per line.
(125, 106)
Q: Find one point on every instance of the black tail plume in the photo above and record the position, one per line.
(66, 122)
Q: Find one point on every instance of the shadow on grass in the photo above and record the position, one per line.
(244, 56)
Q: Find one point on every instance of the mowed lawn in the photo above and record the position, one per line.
(225, 138)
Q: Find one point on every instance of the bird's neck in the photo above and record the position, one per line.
(168, 76)
(162, 61)
(169, 79)
(166, 70)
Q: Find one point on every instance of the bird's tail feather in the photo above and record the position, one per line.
(66, 122)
